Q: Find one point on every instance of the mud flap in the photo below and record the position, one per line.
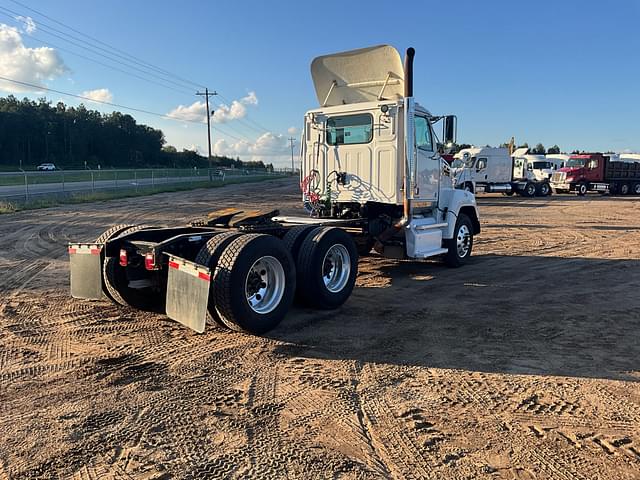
(86, 270)
(188, 292)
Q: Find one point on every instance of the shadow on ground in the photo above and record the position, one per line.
(506, 314)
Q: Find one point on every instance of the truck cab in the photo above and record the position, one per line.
(370, 152)
(579, 170)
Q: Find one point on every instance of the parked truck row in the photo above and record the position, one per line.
(491, 170)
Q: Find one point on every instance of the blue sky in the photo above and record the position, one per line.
(565, 72)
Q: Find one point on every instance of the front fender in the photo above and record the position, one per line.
(460, 201)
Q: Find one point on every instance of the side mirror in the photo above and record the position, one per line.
(450, 129)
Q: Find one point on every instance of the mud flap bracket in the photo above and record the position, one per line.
(86, 270)
(188, 292)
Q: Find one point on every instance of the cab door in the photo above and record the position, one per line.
(428, 161)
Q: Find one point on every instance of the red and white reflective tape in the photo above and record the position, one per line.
(84, 249)
(191, 269)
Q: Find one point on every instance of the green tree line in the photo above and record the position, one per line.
(34, 132)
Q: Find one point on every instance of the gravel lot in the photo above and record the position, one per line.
(524, 364)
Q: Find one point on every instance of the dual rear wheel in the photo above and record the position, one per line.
(256, 277)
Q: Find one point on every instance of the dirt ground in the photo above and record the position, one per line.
(524, 364)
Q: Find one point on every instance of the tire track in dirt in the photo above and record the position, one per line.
(91, 390)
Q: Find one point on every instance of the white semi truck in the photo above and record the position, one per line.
(492, 170)
(371, 177)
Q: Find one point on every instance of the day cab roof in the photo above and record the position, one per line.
(486, 151)
(358, 76)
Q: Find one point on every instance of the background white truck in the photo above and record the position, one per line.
(371, 177)
(491, 170)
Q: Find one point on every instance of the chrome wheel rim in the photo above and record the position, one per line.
(336, 268)
(463, 241)
(637, 189)
(264, 285)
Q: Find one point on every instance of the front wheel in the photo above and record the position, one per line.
(460, 246)
(581, 189)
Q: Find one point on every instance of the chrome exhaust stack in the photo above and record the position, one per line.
(409, 152)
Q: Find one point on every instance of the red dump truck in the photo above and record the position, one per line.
(596, 172)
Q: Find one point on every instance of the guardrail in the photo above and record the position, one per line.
(26, 185)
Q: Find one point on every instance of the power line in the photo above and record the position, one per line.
(44, 28)
(40, 87)
(118, 105)
(107, 65)
(91, 49)
(150, 65)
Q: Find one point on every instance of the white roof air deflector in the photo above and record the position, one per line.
(356, 76)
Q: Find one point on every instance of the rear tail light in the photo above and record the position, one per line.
(150, 261)
(123, 258)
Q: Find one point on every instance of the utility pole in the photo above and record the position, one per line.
(291, 140)
(206, 95)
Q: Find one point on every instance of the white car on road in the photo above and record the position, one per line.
(46, 167)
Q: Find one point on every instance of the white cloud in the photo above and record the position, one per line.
(31, 65)
(250, 99)
(28, 25)
(237, 110)
(197, 111)
(292, 131)
(225, 113)
(99, 95)
(267, 145)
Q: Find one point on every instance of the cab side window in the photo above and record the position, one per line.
(423, 134)
(481, 164)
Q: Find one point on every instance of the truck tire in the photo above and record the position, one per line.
(327, 268)
(544, 190)
(104, 238)
(529, 190)
(112, 232)
(460, 246)
(581, 189)
(254, 283)
(209, 256)
(116, 286)
(293, 238)
(636, 188)
(624, 189)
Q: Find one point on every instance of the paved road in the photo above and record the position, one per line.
(43, 188)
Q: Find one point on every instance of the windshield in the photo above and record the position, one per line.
(350, 129)
(575, 162)
(541, 165)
